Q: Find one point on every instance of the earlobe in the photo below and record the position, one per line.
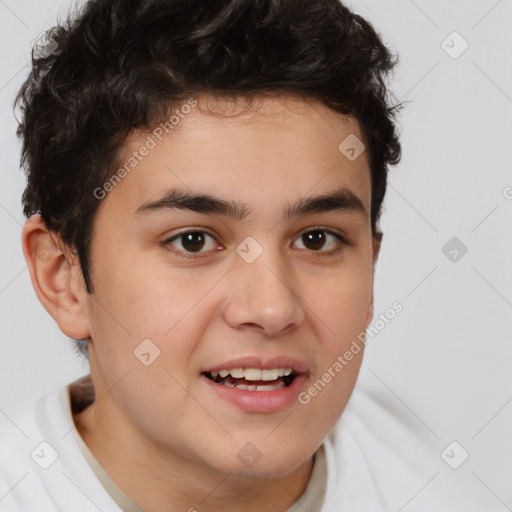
(56, 278)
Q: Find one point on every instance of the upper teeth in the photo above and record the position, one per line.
(254, 373)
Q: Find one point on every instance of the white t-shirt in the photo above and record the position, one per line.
(374, 462)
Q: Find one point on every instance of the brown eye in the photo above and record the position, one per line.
(314, 239)
(192, 243)
(317, 239)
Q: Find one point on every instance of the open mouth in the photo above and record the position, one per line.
(280, 381)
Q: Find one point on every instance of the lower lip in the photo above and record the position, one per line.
(259, 401)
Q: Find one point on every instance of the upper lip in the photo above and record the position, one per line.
(263, 364)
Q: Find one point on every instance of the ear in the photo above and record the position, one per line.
(56, 277)
(377, 240)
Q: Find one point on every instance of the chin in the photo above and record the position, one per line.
(259, 463)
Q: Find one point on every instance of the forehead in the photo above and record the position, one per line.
(258, 149)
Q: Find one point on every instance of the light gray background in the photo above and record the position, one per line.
(445, 362)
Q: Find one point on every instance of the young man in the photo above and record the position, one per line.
(205, 181)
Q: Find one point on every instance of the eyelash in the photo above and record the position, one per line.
(166, 243)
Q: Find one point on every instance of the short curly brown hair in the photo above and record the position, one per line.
(120, 65)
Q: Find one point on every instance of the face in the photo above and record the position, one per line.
(186, 288)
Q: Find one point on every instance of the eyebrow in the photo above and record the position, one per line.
(342, 199)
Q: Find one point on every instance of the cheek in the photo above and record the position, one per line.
(163, 305)
(342, 300)
(149, 298)
(340, 310)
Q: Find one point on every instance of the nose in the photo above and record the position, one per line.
(262, 296)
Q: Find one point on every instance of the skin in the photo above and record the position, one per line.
(162, 435)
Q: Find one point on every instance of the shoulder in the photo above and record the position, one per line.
(42, 466)
(383, 457)
(25, 453)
